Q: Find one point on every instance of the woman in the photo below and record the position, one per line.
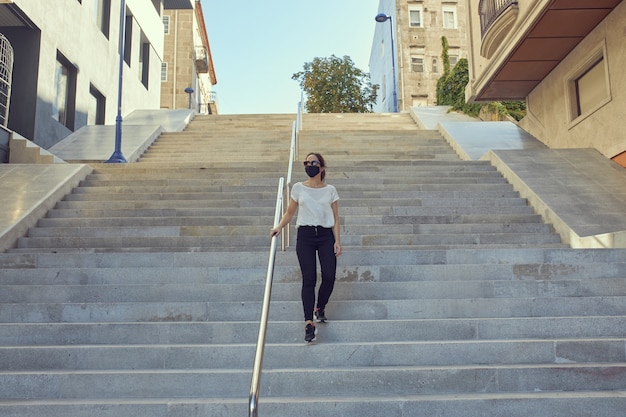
(318, 231)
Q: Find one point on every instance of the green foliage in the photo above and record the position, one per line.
(451, 91)
(335, 85)
(445, 58)
(515, 109)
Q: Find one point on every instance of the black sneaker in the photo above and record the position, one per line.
(309, 333)
(320, 316)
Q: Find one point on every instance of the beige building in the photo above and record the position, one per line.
(566, 58)
(418, 26)
(187, 73)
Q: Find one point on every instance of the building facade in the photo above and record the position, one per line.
(66, 68)
(417, 27)
(187, 74)
(565, 58)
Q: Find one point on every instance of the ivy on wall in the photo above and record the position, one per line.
(451, 91)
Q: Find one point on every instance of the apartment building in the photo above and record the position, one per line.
(566, 58)
(409, 42)
(187, 74)
(66, 67)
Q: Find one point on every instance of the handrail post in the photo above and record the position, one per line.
(253, 410)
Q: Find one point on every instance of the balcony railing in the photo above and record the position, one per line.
(490, 10)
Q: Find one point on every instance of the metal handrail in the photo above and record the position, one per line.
(283, 195)
(286, 236)
(253, 409)
(293, 156)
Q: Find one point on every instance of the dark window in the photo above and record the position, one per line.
(144, 60)
(97, 107)
(64, 106)
(102, 15)
(128, 39)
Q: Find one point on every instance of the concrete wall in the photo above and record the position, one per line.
(68, 27)
(548, 116)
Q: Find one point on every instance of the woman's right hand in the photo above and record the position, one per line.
(274, 232)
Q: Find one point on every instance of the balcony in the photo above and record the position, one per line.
(524, 43)
(202, 59)
(497, 18)
(491, 10)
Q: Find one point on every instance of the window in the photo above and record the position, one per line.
(63, 107)
(449, 17)
(453, 60)
(588, 86)
(383, 88)
(128, 40)
(144, 61)
(591, 88)
(102, 15)
(97, 105)
(435, 70)
(433, 19)
(166, 24)
(417, 63)
(416, 17)
(164, 71)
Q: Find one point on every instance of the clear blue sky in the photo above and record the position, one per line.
(257, 46)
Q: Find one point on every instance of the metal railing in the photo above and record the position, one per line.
(490, 10)
(265, 309)
(293, 156)
(284, 190)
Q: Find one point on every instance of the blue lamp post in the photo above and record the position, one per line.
(117, 156)
(381, 18)
(189, 91)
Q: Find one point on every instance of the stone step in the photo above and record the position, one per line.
(525, 260)
(367, 381)
(333, 356)
(539, 404)
(182, 333)
(365, 291)
(227, 250)
(344, 310)
(355, 225)
(580, 277)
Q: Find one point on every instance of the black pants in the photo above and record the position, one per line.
(312, 239)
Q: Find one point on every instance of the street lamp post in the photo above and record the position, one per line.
(117, 156)
(189, 91)
(381, 18)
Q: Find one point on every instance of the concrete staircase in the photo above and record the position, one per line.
(139, 294)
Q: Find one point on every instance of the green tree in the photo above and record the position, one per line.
(336, 85)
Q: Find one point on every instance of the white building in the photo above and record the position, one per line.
(66, 70)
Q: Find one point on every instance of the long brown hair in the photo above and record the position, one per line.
(322, 162)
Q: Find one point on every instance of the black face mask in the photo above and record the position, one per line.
(312, 170)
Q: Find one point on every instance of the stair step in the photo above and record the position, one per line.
(379, 381)
(290, 332)
(346, 310)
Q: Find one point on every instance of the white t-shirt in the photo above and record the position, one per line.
(314, 205)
